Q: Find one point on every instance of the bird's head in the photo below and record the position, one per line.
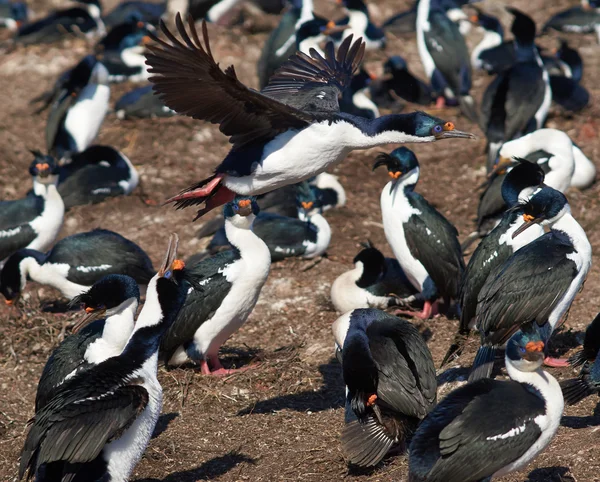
(361, 80)
(545, 207)
(523, 27)
(242, 211)
(44, 169)
(306, 201)
(486, 22)
(400, 163)
(524, 176)
(318, 27)
(134, 32)
(13, 276)
(18, 12)
(426, 125)
(370, 256)
(526, 348)
(88, 71)
(395, 64)
(108, 296)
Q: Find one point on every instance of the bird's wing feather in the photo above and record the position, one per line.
(436, 247)
(189, 81)
(21, 211)
(77, 430)
(525, 288)
(314, 83)
(525, 94)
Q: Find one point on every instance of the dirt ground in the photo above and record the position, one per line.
(281, 420)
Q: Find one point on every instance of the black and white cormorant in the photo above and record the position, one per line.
(305, 235)
(141, 103)
(445, 57)
(78, 103)
(75, 263)
(281, 43)
(581, 19)
(82, 18)
(399, 81)
(96, 174)
(538, 282)
(493, 37)
(99, 422)
(275, 144)
(374, 282)
(149, 12)
(34, 221)
(390, 383)
(359, 25)
(424, 242)
(13, 14)
(490, 428)
(111, 305)
(552, 150)
(121, 51)
(229, 284)
(496, 247)
(588, 358)
(517, 100)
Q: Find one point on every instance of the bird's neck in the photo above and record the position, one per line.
(568, 225)
(407, 184)
(118, 327)
(360, 133)
(523, 239)
(306, 13)
(243, 238)
(367, 274)
(543, 383)
(44, 190)
(31, 263)
(358, 20)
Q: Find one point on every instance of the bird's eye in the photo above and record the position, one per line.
(522, 349)
(437, 129)
(168, 274)
(236, 207)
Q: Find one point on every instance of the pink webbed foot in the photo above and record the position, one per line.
(222, 196)
(556, 362)
(219, 371)
(440, 102)
(429, 310)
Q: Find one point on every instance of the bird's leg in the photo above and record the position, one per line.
(440, 102)
(218, 369)
(556, 362)
(428, 311)
(204, 368)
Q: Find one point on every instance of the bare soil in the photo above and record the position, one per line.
(282, 419)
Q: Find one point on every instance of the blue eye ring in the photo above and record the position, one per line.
(236, 207)
(167, 274)
(522, 349)
(437, 129)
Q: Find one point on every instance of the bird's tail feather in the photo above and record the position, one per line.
(483, 363)
(455, 350)
(365, 444)
(575, 390)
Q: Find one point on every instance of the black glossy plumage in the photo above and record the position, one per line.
(402, 83)
(144, 11)
(576, 19)
(568, 93)
(269, 61)
(89, 180)
(449, 52)
(20, 211)
(433, 240)
(381, 280)
(591, 344)
(66, 358)
(15, 239)
(498, 59)
(385, 356)
(191, 83)
(454, 443)
(202, 302)
(55, 26)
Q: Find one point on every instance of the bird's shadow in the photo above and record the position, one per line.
(573, 422)
(330, 395)
(550, 474)
(163, 423)
(209, 470)
(59, 306)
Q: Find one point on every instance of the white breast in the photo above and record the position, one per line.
(323, 237)
(490, 40)
(585, 170)
(422, 27)
(84, 119)
(53, 274)
(395, 211)
(124, 453)
(48, 225)
(346, 296)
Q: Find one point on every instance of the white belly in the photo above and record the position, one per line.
(346, 296)
(48, 225)
(395, 210)
(323, 238)
(84, 119)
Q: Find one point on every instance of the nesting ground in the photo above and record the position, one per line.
(281, 420)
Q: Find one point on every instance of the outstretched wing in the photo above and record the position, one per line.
(314, 83)
(189, 81)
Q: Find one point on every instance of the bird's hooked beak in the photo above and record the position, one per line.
(43, 169)
(534, 350)
(449, 132)
(170, 262)
(332, 28)
(501, 166)
(245, 207)
(529, 221)
(307, 205)
(395, 175)
(92, 314)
